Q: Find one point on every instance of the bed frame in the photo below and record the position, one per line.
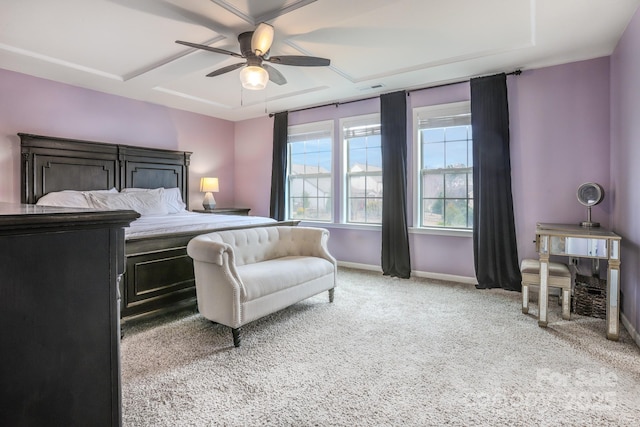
(159, 273)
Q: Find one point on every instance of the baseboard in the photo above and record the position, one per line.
(424, 274)
(446, 277)
(629, 327)
(359, 266)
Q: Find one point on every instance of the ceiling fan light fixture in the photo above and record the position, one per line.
(262, 39)
(254, 47)
(254, 77)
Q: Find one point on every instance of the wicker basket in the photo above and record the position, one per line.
(590, 296)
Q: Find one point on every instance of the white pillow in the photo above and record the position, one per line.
(144, 202)
(172, 198)
(134, 189)
(70, 198)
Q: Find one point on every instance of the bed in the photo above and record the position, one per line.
(159, 273)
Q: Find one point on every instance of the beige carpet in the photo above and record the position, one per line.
(387, 352)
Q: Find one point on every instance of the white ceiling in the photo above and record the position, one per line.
(126, 47)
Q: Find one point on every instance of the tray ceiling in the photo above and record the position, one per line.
(126, 47)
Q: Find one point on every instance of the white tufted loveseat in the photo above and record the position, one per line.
(243, 275)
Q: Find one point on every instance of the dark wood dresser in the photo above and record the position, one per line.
(59, 315)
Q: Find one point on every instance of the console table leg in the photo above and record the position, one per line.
(613, 300)
(543, 296)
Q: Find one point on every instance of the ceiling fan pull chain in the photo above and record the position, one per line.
(265, 102)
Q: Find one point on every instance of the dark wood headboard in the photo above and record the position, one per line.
(55, 164)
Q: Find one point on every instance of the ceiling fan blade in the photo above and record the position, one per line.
(262, 39)
(274, 75)
(209, 48)
(302, 61)
(226, 69)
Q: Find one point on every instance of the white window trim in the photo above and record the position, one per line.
(310, 127)
(305, 128)
(448, 109)
(347, 122)
(436, 231)
(347, 226)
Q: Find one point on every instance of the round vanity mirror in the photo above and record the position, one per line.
(590, 194)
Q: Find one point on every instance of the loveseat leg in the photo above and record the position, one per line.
(236, 336)
(331, 294)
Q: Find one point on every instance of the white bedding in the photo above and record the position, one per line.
(162, 210)
(152, 225)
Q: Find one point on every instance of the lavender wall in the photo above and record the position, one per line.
(625, 171)
(559, 119)
(559, 139)
(254, 145)
(253, 148)
(33, 105)
(356, 245)
(569, 124)
(429, 252)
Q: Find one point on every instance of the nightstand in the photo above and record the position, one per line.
(224, 211)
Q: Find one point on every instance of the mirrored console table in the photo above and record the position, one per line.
(580, 242)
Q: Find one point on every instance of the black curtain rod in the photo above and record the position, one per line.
(337, 104)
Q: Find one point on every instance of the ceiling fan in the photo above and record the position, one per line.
(254, 47)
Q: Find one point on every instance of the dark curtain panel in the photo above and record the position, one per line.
(494, 235)
(279, 166)
(395, 237)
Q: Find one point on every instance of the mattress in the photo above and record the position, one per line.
(186, 222)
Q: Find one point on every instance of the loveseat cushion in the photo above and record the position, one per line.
(267, 277)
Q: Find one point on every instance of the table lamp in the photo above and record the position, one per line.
(209, 186)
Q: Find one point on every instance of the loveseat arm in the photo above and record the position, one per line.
(214, 267)
(205, 249)
(311, 241)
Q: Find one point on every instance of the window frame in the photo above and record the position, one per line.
(434, 111)
(350, 122)
(308, 128)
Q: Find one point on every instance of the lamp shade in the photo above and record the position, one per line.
(209, 184)
(254, 77)
(262, 39)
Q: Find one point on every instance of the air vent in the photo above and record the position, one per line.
(372, 87)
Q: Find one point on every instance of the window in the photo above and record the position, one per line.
(309, 177)
(363, 180)
(444, 145)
